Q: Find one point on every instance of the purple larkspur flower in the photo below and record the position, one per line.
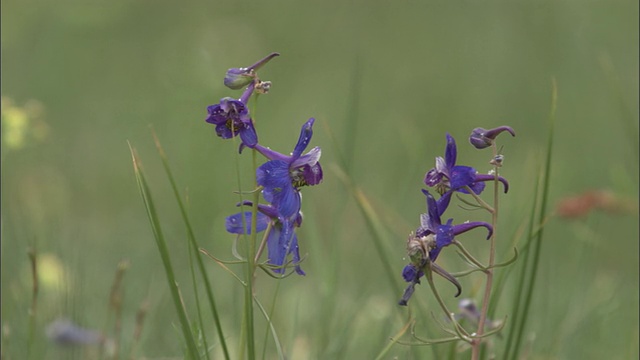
(237, 78)
(448, 177)
(482, 138)
(281, 239)
(231, 118)
(282, 176)
(65, 332)
(431, 237)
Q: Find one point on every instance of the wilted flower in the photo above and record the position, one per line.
(283, 175)
(447, 177)
(483, 138)
(281, 239)
(237, 78)
(231, 118)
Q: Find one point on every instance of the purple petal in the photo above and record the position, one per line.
(443, 202)
(410, 273)
(487, 177)
(407, 294)
(451, 152)
(275, 247)
(461, 176)
(433, 213)
(216, 115)
(288, 201)
(312, 174)
(433, 254)
(295, 251)
(493, 133)
(305, 137)
(247, 93)
(432, 177)
(233, 223)
(224, 132)
(273, 174)
(462, 228)
(310, 158)
(444, 234)
(248, 135)
(271, 154)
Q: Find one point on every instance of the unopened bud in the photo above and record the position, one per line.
(483, 138)
(237, 78)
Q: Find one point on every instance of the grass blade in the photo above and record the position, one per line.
(194, 246)
(537, 244)
(192, 349)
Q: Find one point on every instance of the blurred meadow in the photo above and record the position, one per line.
(385, 83)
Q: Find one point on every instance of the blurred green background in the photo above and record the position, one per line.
(80, 79)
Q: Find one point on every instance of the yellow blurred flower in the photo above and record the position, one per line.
(22, 125)
(51, 272)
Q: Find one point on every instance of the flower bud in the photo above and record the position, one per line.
(237, 78)
(483, 138)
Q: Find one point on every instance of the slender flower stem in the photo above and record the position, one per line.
(263, 243)
(469, 256)
(460, 331)
(476, 346)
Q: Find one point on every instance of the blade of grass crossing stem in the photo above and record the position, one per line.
(394, 339)
(276, 340)
(543, 210)
(517, 316)
(194, 283)
(192, 349)
(194, 246)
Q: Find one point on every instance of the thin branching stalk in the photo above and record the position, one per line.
(33, 259)
(476, 345)
(137, 333)
(115, 303)
(460, 331)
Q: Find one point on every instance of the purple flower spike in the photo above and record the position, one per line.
(483, 138)
(281, 240)
(446, 176)
(283, 175)
(237, 78)
(431, 228)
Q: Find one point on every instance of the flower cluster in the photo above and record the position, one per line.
(426, 243)
(280, 178)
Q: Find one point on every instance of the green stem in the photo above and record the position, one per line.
(460, 331)
(476, 346)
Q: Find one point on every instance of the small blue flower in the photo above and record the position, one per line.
(231, 118)
(281, 240)
(448, 177)
(283, 175)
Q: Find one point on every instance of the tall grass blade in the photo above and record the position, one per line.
(522, 280)
(194, 247)
(276, 340)
(537, 244)
(192, 349)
